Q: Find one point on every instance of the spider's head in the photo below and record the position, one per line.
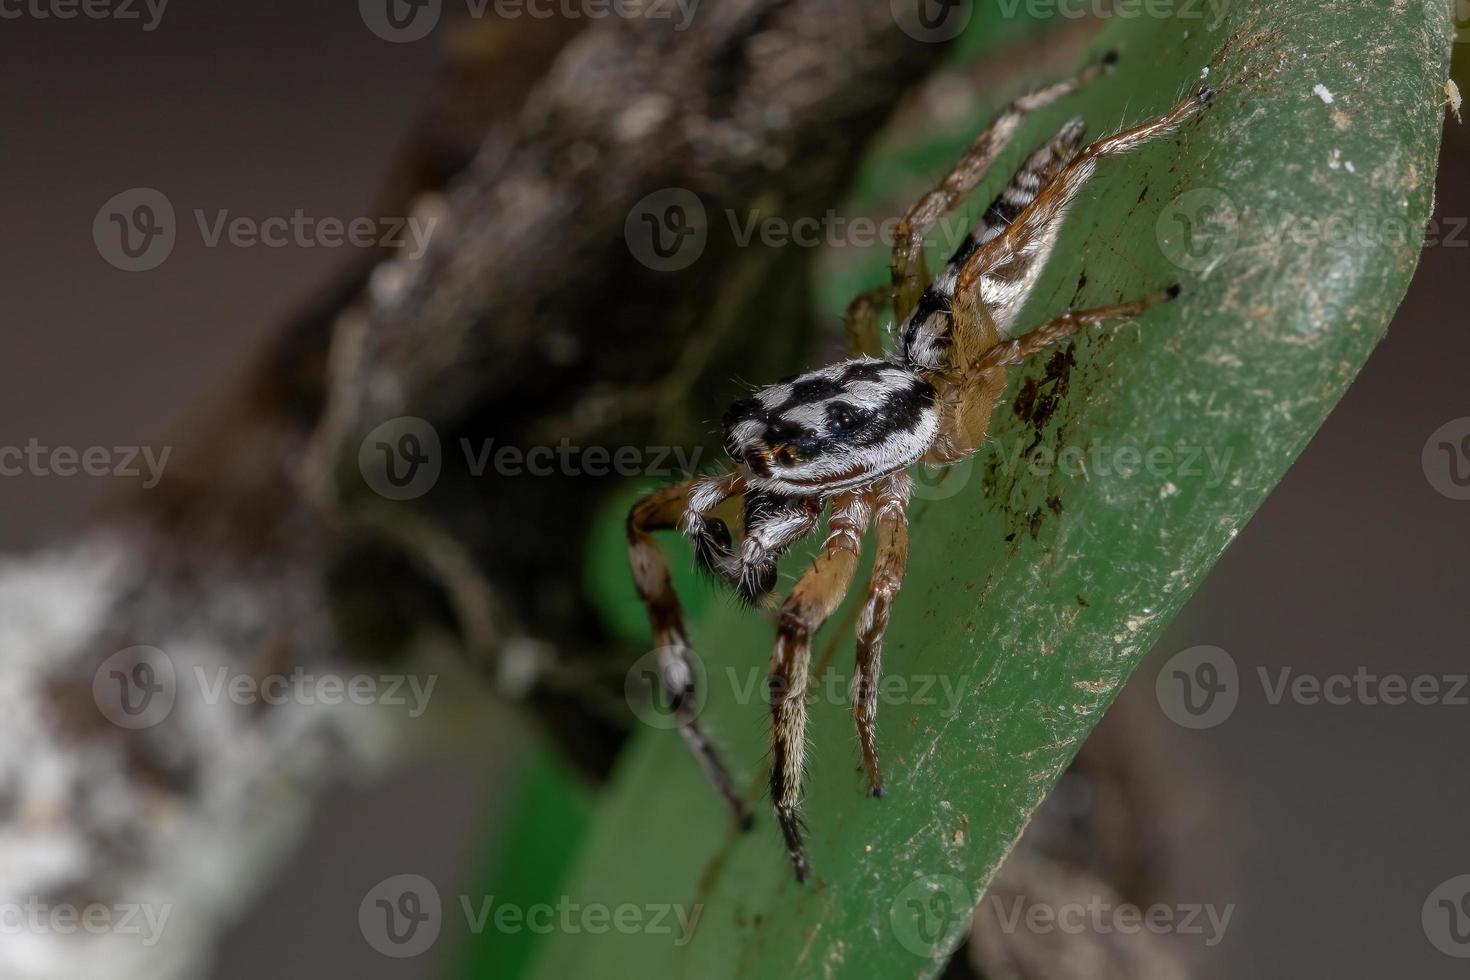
(832, 429)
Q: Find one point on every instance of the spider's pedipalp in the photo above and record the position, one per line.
(833, 429)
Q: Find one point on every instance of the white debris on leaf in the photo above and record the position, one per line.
(1322, 92)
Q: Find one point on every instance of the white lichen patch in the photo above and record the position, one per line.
(1323, 93)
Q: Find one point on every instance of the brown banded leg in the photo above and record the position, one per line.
(659, 511)
(864, 339)
(889, 503)
(1009, 254)
(910, 275)
(1068, 323)
(815, 596)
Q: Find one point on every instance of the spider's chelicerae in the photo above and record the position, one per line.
(839, 440)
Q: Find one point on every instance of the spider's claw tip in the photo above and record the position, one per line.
(1205, 95)
(880, 791)
(1173, 291)
(1110, 59)
(745, 820)
(803, 870)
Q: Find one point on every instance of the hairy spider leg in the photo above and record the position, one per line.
(864, 339)
(659, 511)
(925, 340)
(891, 499)
(910, 275)
(813, 599)
(1010, 255)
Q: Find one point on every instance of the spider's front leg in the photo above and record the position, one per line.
(890, 502)
(814, 598)
(663, 510)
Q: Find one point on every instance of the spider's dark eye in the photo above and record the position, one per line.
(843, 418)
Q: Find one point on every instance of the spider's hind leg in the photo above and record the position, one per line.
(662, 510)
(910, 276)
(1062, 326)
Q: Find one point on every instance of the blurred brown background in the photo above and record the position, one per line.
(1337, 820)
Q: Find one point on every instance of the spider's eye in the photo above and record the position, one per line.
(843, 418)
(786, 455)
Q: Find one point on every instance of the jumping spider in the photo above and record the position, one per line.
(840, 439)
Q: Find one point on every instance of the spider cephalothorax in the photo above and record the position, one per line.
(839, 440)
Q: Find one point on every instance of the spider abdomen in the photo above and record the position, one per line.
(832, 429)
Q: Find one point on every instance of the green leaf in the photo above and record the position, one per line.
(1292, 214)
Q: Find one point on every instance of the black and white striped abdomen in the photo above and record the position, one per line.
(924, 338)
